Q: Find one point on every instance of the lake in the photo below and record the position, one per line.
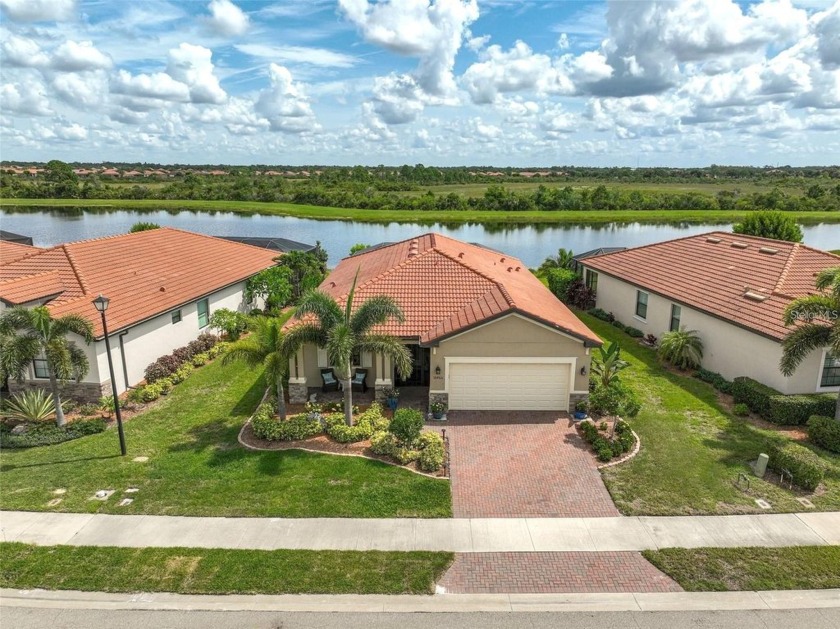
(532, 244)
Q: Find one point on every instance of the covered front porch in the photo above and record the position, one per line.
(410, 397)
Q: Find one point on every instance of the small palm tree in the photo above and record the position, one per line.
(682, 348)
(32, 332)
(343, 332)
(608, 363)
(819, 330)
(563, 260)
(264, 346)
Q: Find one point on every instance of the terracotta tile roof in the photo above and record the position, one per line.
(144, 274)
(11, 251)
(444, 286)
(31, 288)
(743, 279)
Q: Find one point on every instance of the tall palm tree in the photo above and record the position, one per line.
(343, 332)
(264, 346)
(31, 333)
(821, 327)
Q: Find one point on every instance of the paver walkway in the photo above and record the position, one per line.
(522, 464)
(543, 573)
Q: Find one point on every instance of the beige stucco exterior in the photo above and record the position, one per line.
(728, 349)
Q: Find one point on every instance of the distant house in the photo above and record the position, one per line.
(12, 237)
(732, 289)
(578, 259)
(163, 285)
(483, 332)
(110, 172)
(282, 245)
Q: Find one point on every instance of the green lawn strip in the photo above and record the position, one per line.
(411, 216)
(723, 569)
(692, 448)
(219, 571)
(197, 467)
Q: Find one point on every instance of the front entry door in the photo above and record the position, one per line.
(420, 374)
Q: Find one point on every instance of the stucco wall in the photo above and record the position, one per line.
(511, 336)
(728, 349)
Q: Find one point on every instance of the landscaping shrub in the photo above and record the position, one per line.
(741, 410)
(231, 322)
(267, 426)
(384, 442)
(604, 448)
(754, 394)
(32, 405)
(90, 410)
(715, 379)
(579, 295)
(406, 455)
(636, 333)
(617, 324)
(825, 432)
(559, 282)
(200, 360)
(604, 453)
(365, 425)
(166, 366)
(682, 348)
(163, 367)
(48, 433)
(615, 399)
(407, 424)
(806, 466)
(603, 315)
(432, 452)
(796, 409)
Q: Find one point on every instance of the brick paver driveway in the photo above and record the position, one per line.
(522, 464)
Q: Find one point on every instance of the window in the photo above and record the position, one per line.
(831, 371)
(41, 369)
(641, 304)
(676, 312)
(203, 313)
(176, 316)
(592, 280)
(356, 359)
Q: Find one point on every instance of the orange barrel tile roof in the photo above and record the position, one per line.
(745, 280)
(11, 251)
(445, 286)
(144, 274)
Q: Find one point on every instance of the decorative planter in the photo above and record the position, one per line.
(392, 403)
(579, 415)
(438, 415)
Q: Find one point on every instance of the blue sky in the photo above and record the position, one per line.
(448, 82)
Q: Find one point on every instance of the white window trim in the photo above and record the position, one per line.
(671, 316)
(636, 304)
(821, 389)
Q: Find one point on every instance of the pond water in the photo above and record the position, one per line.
(530, 243)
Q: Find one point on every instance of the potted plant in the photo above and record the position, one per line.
(581, 407)
(392, 397)
(438, 408)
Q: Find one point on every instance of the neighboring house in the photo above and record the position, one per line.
(732, 289)
(163, 285)
(579, 258)
(483, 332)
(281, 245)
(12, 237)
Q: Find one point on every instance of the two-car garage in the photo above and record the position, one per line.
(502, 384)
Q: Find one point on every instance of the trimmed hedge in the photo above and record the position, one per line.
(167, 366)
(807, 468)
(365, 425)
(604, 448)
(825, 432)
(797, 409)
(48, 434)
(635, 333)
(601, 314)
(715, 379)
(267, 426)
(559, 281)
(754, 394)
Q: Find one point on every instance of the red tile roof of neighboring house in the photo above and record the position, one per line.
(742, 279)
(144, 273)
(11, 251)
(445, 286)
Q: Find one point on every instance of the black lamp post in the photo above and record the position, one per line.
(101, 304)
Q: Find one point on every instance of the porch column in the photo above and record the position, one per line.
(384, 370)
(298, 390)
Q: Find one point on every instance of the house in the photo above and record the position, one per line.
(483, 332)
(163, 285)
(577, 259)
(13, 237)
(732, 289)
(281, 245)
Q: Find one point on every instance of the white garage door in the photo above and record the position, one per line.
(509, 386)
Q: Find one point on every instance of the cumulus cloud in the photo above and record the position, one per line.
(22, 52)
(193, 66)
(827, 29)
(227, 19)
(285, 104)
(83, 89)
(25, 98)
(159, 85)
(501, 72)
(397, 98)
(74, 56)
(38, 10)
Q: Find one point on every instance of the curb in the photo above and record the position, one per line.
(590, 602)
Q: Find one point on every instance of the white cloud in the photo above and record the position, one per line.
(26, 98)
(300, 54)
(285, 104)
(73, 132)
(73, 56)
(193, 66)
(397, 99)
(827, 28)
(159, 86)
(22, 52)
(227, 19)
(81, 89)
(501, 72)
(38, 10)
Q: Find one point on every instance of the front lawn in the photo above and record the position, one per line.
(722, 569)
(692, 448)
(197, 467)
(217, 571)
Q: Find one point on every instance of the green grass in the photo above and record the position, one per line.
(700, 217)
(692, 448)
(197, 467)
(722, 569)
(217, 571)
(835, 251)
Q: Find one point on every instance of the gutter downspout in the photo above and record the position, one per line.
(122, 357)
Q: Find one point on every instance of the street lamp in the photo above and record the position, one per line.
(101, 304)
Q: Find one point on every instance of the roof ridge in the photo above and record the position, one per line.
(494, 281)
(76, 271)
(785, 269)
(28, 277)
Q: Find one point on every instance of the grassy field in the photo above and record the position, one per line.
(197, 467)
(692, 448)
(722, 569)
(401, 216)
(216, 571)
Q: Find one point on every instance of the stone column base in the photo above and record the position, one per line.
(574, 398)
(298, 393)
(439, 396)
(82, 392)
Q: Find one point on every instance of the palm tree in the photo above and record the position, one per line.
(264, 346)
(682, 348)
(343, 332)
(820, 329)
(608, 363)
(563, 260)
(31, 333)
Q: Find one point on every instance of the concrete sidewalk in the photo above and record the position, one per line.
(455, 535)
(606, 602)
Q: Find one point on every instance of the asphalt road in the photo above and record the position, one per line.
(32, 618)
